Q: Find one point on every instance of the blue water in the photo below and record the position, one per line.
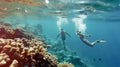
(109, 51)
(101, 23)
(100, 28)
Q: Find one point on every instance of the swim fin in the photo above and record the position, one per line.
(101, 41)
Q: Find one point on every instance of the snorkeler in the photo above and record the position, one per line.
(91, 44)
(63, 36)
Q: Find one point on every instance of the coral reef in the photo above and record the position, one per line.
(8, 32)
(65, 64)
(26, 53)
(19, 49)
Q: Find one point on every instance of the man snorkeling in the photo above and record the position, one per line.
(63, 36)
(87, 42)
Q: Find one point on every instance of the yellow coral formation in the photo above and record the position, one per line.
(65, 64)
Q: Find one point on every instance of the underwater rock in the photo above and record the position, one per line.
(77, 61)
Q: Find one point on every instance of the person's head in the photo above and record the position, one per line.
(78, 31)
(62, 30)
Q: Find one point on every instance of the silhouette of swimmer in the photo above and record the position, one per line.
(87, 42)
(63, 36)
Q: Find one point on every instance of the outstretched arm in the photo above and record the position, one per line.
(68, 34)
(58, 35)
(88, 35)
